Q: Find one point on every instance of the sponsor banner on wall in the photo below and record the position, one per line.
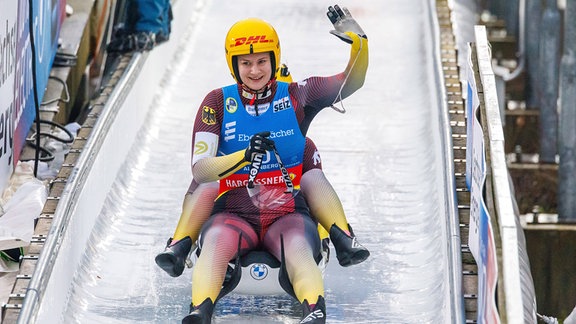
(8, 62)
(472, 103)
(481, 238)
(17, 105)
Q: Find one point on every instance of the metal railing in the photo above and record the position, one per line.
(517, 303)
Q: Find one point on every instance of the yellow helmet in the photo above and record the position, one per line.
(249, 36)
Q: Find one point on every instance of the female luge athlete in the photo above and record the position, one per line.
(232, 125)
(326, 207)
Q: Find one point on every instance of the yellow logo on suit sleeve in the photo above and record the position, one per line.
(208, 115)
(201, 147)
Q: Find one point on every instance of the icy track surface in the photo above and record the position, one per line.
(382, 156)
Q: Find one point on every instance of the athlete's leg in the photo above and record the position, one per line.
(322, 199)
(327, 208)
(219, 243)
(196, 209)
(301, 244)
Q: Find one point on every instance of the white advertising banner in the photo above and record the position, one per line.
(480, 238)
(8, 59)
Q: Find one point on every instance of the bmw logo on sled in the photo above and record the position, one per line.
(260, 273)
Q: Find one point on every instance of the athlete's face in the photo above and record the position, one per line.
(255, 70)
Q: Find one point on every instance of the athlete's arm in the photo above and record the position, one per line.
(357, 65)
(347, 29)
(215, 168)
(206, 166)
(315, 93)
(311, 159)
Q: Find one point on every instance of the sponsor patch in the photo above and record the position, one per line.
(251, 109)
(231, 105)
(230, 131)
(205, 145)
(259, 271)
(281, 104)
(313, 316)
(253, 39)
(273, 134)
(200, 147)
(208, 115)
(316, 158)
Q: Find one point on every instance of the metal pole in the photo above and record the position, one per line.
(511, 17)
(567, 129)
(548, 68)
(532, 46)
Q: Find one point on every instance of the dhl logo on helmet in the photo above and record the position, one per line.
(251, 40)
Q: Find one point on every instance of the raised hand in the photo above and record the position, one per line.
(343, 23)
(259, 144)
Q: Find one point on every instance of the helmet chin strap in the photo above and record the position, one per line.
(252, 94)
(263, 92)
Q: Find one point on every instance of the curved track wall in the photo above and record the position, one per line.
(413, 275)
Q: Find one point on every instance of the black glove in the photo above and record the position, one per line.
(343, 22)
(259, 144)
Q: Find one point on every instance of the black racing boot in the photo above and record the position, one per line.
(201, 314)
(173, 259)
(348, 250)
(314, 315)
